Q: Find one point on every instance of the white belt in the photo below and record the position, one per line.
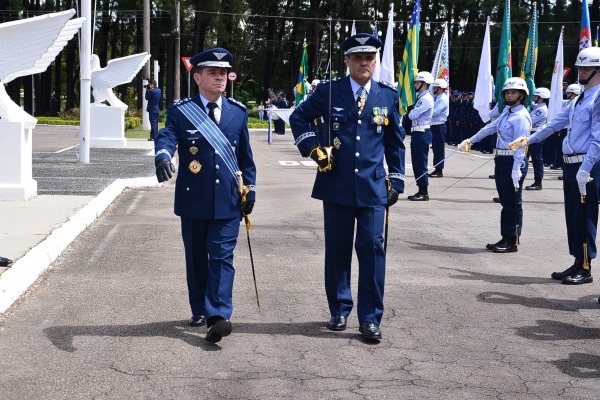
(574, 159)
(420, 128)
(500, 152)
(438, 123)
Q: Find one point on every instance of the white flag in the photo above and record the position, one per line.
(441, 65)
(556, 94)
(485, 81)
(387, 60)
(377, 70)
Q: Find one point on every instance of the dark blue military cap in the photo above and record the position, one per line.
(217, 57)
(361, 43)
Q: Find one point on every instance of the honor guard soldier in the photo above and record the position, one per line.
(361, 127)
(210, 134)
(438, 126)
(538, 115)
(420, 117)
(280, 102)
(510, 165)
(581, 171)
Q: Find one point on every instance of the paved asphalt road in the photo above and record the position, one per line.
(108, 321)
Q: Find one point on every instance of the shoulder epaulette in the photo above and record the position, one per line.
(388, 85)
(180, 101)
(237, 103)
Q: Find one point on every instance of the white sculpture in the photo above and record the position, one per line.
(27, 47)
(117, 72)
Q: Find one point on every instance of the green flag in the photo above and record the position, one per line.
(410, 61)
(301, 87)
(530, 56)
(504, 57)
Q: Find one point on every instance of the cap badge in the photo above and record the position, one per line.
(362, 40)
(219, 55)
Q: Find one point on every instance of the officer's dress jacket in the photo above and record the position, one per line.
(153, 97)
(358, 178)
(212, 192)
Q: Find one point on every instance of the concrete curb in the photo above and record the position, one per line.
(27, 269)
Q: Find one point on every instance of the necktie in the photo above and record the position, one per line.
(211, 113)
(361, 99)
(579, 99)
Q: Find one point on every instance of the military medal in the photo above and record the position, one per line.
(386, 121)
(193, 150)
(337, 142)
(378, 118)
(195, 166)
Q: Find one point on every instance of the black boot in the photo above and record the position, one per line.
(569, 271)
(421, 195)
(437, 173)
(490, 246)
(537, 185)
(508, 244)
(579, 277)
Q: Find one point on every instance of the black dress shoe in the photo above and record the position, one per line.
(492, 176)
(436, 174)
(5, 262)
(337, 323)
(419, 197)
(370, 330)
(218, 330)
(490, 246)
(496, 199)
(197, 320)
(506, 245)
(555, 167)
(534, 186)
(578, 278)
(567, 272)
(560, 178)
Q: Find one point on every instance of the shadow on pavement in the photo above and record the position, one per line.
(580, 365)
(505, 279)
(583, 303)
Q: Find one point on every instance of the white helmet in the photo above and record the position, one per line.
(588, 57)
(574, 88)
(515, 84)
(424, 77)
(441, 83)
(543, 92)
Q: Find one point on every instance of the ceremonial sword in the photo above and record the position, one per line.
(243, 192)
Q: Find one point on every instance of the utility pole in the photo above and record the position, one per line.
(177, 83)
(146, 118)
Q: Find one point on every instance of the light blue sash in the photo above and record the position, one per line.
(197, 116)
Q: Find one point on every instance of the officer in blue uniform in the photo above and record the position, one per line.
(420, 141)
(581, 170)
(153, 96)
(281, 102)
(538, 114)
(207, 191)
(510, 165)
(438, 126)
(361, 126)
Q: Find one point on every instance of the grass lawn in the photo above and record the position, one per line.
(140, 132)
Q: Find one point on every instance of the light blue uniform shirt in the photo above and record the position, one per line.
(421, 114)
(440, 109)
(511, 124)
(583, 137)
(538, 114)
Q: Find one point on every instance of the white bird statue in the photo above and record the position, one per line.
(28, 46)
(117, 72)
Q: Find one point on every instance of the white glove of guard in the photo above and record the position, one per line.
(583, 178)
(516, 177)
(465, 146)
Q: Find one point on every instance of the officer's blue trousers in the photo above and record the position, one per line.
(573, 210)
(511, 200)
(438, 143)
(536, 151)
(153, 117)
(339, 234)
(419, 152)
(209, 245)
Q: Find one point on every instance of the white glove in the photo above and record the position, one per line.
(516, 177)
(465, 146)
(582, 179)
